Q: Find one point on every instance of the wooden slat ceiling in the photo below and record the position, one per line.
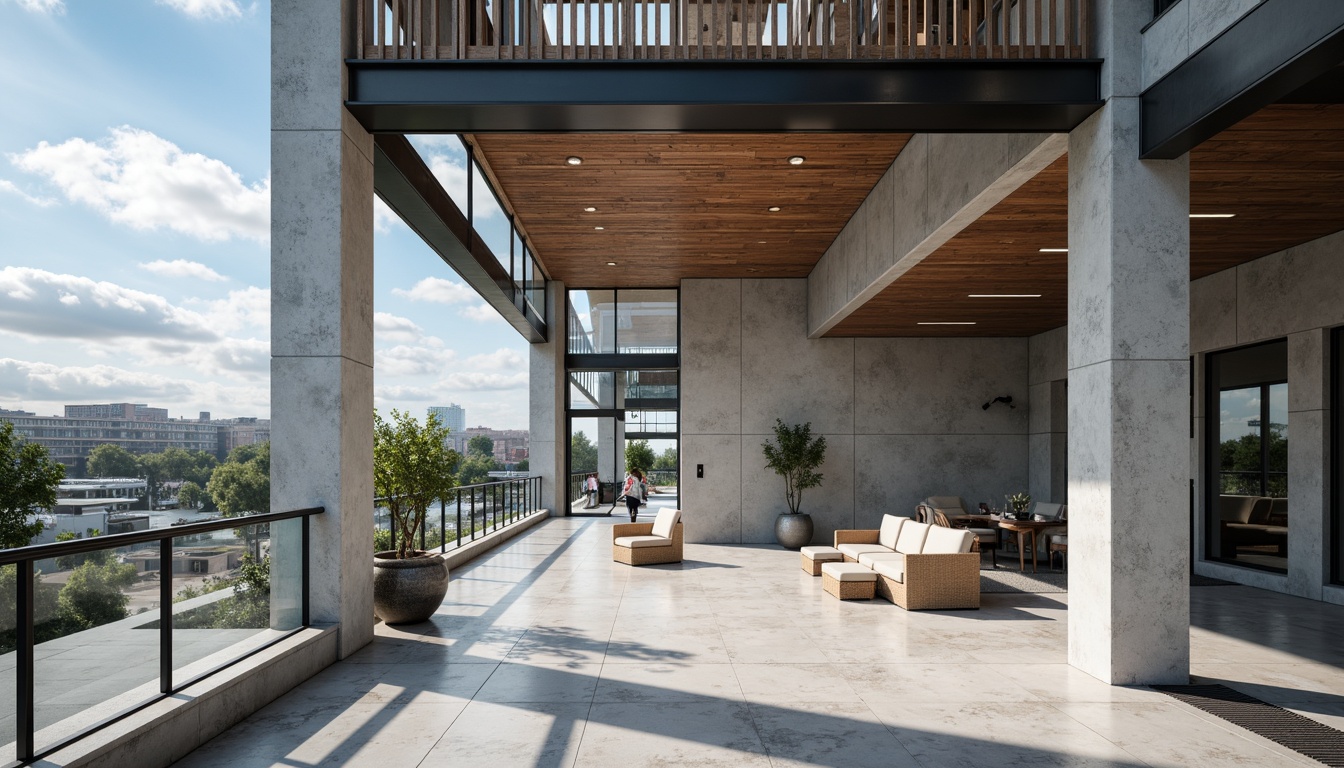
(1281, 171)
(684, 205)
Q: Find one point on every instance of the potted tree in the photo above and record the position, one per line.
(412, 467)
(795, 455)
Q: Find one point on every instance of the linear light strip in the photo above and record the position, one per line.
(1003, 295)
(956, 323)
(1212, 215)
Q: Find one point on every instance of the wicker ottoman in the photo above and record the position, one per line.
(848, 581)
(813, 557)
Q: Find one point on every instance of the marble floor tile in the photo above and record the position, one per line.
(490, 735)
(799, 733)
(914, 682)
(715, 734)
(652, 683)
(790, 683)
(553, 683)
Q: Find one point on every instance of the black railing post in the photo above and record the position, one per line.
(304, 540)
(443, 526)
(166, 616)
(23, 680)
(459, 517)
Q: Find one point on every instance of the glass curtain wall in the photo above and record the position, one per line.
(1337, 452)
(1247, 451)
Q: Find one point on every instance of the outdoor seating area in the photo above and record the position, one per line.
(545, 652)
(914, 565)
(649, 543)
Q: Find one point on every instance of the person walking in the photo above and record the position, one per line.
(634, 492)
(590, 489)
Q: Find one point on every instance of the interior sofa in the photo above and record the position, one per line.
(918, 566)
(649, 543)
(1252, 521)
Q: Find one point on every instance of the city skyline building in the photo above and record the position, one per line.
(452, 416)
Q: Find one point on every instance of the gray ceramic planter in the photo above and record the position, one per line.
(793, 531)
(410, 590)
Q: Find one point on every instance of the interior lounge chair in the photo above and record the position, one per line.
(648, 543)
(985, 538)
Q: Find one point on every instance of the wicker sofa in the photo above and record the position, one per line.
(918, 566)
(648, 543)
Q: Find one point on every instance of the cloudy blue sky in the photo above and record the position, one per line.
(134, 226)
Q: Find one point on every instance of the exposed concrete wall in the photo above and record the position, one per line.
(1292, 294)
(1184, 29)
(902, 417)
(1049, 416)
(546, 406)
(939, 184)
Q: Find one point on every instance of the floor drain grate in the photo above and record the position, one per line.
(1298, 733)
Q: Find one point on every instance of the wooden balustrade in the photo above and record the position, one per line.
(722, 30)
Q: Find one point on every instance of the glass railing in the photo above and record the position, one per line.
(93, 629)
(469, 512)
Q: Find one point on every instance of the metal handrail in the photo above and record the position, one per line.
(116, 540)
(24, 559)
(508, 493)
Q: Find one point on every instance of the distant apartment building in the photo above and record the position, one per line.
(134, 426)
(452, 416)
(511, 445)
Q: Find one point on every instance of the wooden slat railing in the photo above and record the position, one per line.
(722, 29)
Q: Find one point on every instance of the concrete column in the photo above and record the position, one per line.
(1309, 462)
(546, 405)
(322, 311)
(1128, 394)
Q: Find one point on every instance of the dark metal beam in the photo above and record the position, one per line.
(1052, 95)
(1277, 48)
(405, 183)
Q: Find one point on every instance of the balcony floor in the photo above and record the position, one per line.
(548, 654)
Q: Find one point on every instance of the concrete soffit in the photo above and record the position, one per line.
(990, 166)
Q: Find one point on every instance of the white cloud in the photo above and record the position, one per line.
(403, 393)
(383, 216)
(414, 360)
(148, 183)
(182, 268)
(42, 6)
(45, 304)
(452, 174)
(480, 382)
(8, 186)
(502, 359)
(43, 388)
(481, 313)
(206, 9)
(438, 291)
(247, 308)
(389, 327)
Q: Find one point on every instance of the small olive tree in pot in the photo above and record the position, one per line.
(795, 455)
(412, 467)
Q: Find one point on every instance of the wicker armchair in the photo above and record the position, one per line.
(649, 543)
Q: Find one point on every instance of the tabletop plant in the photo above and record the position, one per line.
(795, 456)
(1019, 502)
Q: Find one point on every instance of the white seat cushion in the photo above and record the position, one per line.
(947, 541)
(821, 553)
(892, 569)
(891, 528)
(869, 558)
(637, 542)
(666, 522)
(848, 572)
(912, 538)
(854, 550)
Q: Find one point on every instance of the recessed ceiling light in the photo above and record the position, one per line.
(760, 242)
(611, 263)
(796, 160)
(599, 229)
(957, 323)
(574, 160)
(1054, 250)
(773, 209)
(590, 209)
(1003, 295)
(1212, 215)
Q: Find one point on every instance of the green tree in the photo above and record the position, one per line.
(582, 453)
(242, 484)
(523, 466)
(95, 594)
(795, 456)
(475, 469)
(28, 482)
(191, 494)
(250, 605)
(666, 460)
(480, 445)
(638, 455)
(411, 468)
(108, 460)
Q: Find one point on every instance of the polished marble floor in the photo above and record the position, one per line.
(548, 654)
